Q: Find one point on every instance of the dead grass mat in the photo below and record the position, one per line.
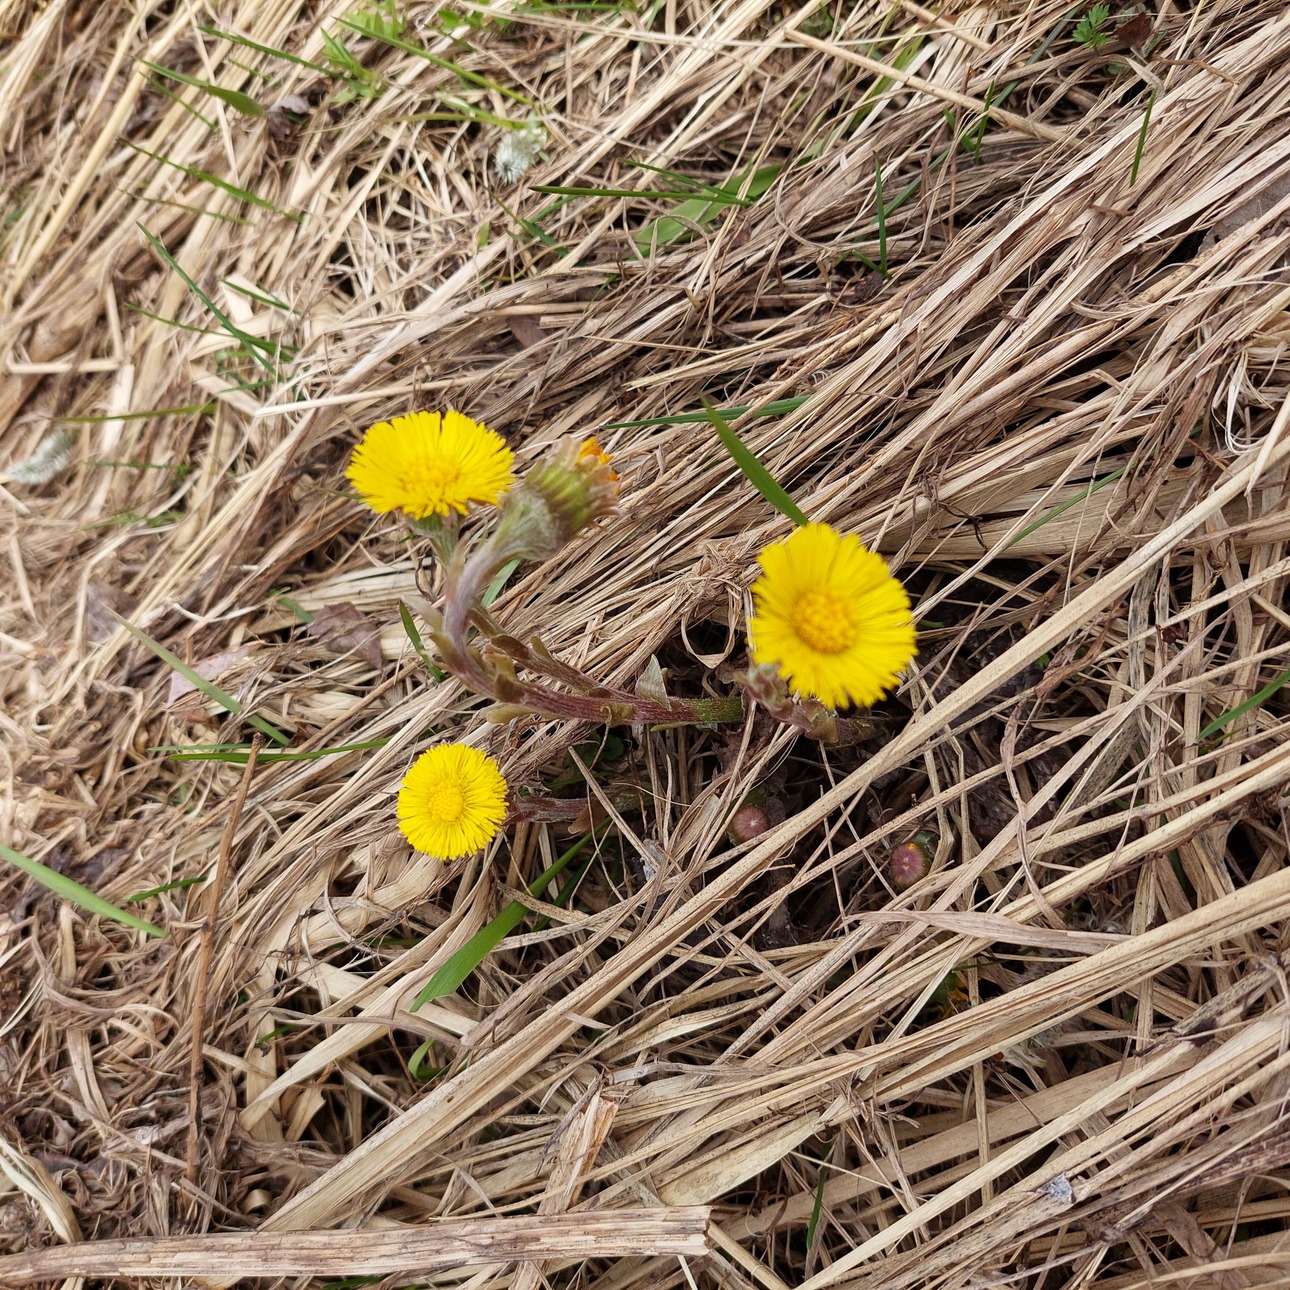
(1062, 412)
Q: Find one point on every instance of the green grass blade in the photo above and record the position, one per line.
(1142, 140)
(208, 688)
(474, 78)
(464, 112)
(265, 49)
(498, 584)
(177, 885)
(693, 187)
(171, 322)
(650, 194)
(238, 101)
(746, 187)
(272, 301)
(1066, 505)
(882, 218)
(413, 635)
(454, 972)
(236, 754)
(756, 474)
(162, 88)
(1254, 701)
(72, 891)
(183, 410)
(253, 344)
(818, 1207)
(205, 177)
(775, 408)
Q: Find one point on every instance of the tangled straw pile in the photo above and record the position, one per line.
(1021, 304)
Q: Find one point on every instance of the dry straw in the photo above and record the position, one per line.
(1026, 300)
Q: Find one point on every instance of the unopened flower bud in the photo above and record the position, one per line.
(562, 495)
(912, 860)
(748, 822)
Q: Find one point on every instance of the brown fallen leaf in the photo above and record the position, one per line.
(1135, 32)
(210, 668)
(526, 330)
(343, 629)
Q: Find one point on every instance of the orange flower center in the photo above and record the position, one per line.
(824, 620)
(445, 803)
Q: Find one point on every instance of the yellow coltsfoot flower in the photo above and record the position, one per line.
(428, 464)
(452, 802)
(830, 617)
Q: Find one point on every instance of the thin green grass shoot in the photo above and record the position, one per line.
(187, 409)
(748, 185)
(498, 584)
(235, 99)
(818, 1207)
(236, 754)
(414, 637)
(255, 347)
(1142, 139)
(1254, 701)
(251, 294)
(70, 890)
(177, 885)
(208, 688)
(756, 474)
(205, 177)
(162, 88)
(881, 217)
(775, 408)
(472, 78)
(1035, 525)
(450, 977)
(264, 49)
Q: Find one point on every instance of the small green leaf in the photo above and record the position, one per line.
(455, 971)
(1088, 31)
(1254, 701)
(679, 225)
(72, 891)
(238, 101)
(413, 635)
(756, 474)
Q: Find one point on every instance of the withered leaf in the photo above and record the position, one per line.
(1135, 32)
(210, 668)
(343, 629)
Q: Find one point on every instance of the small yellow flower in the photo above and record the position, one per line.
(452, 802)
(830, 617)
(426, 464)
(590, 450)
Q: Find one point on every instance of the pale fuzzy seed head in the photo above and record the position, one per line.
(50, 458)
(517, 150)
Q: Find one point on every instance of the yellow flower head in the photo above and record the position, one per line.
(830, 617)
(426, 464)
(452, 802)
